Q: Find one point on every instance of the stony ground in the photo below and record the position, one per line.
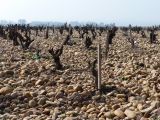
(33, 90)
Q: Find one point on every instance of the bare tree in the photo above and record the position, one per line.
(56, 57)
(92, 68)
(88, 42)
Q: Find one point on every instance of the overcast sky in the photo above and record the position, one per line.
(121, 12)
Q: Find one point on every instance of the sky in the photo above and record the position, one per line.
(120, 12)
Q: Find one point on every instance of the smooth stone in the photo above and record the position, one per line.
(32, 103)
(42, 101)
(149, 109)
(92, 116)
(114, 107)
(83, 109)
(6, 90)
(27, 94)
(120, 95)
(109, 114)
(40, 82)
(103, 109)
(78, 88)
(130, 114)
(143, 118)
(46, 111)
(70, 112)
(131, 99)
(119, 113)
(90, 110)
(139, 106)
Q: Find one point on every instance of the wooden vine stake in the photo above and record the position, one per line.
(130, 35)
(99, 67)
(107, 47)
(69, 29)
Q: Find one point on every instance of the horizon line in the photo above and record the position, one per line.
(3, 21)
